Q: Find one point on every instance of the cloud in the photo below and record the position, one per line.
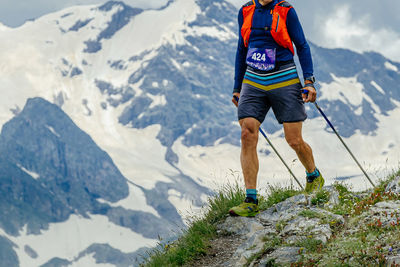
(359, 25)
(341, 29)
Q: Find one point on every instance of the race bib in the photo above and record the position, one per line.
(261, 59)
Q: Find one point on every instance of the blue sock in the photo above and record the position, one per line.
(311, 176)
(251, 193)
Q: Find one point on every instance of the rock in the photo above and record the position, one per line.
(30, 251)
(285, 210)
(387, 205)
(241, 226)
(272, 218)
(384, 211)
(301, 227)
(292, 221)
(252, 246)
(282, 255)
(321, 232)
(333, 196)
(295, 201)
(394, 186)
(393, 260)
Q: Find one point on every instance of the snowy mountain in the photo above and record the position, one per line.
(115, 120)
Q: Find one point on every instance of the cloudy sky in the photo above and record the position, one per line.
(360, 25)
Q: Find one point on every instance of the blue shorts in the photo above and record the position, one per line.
(279, 89)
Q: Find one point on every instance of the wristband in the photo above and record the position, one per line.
(309, 85)
(310, 78)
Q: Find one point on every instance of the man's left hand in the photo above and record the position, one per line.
(311, 95)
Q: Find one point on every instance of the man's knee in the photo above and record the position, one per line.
(249, 133)
(295, 142)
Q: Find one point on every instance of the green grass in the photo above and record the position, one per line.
(277, 194)
(359, 248)
(271, 243)
(194, 241)
(358, 242)
(311, 214)
(310, 244)
(346, 199)
(380, 187)
(320, 197)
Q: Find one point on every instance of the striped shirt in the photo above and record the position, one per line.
(285, 76)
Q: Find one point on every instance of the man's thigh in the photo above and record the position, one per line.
(253, 103)
(293, 130)
(287, 104)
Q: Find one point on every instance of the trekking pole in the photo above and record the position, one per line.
(341, 140)
(276, 152)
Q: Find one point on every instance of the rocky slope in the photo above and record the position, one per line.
(309, 230)
(130, 122)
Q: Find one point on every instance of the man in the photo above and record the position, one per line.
(266, 77)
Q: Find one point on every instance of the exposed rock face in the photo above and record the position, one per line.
(394, 186)
(51, 169)
(291, 221)
(283, 234)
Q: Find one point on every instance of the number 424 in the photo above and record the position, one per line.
(258, 57)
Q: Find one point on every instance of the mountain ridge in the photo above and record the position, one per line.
(155, 101)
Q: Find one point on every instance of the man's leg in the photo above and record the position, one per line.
(249, 162)
(294, 138)
(248, 155)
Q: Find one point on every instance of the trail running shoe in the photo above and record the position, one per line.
(317, 184)
(247, 209)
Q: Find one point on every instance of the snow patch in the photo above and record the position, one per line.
(358, 111)
(51, 129)
(4, 27)
(176, 64)
(31, 173)
(213, 32)
(169, 25)
(67, 239)
(375, 107)
(390, 66)
(378, 87)
(343, 89)
(125, 145)
(89, 260)
(136, 198)
(158, 100)
(183, 205)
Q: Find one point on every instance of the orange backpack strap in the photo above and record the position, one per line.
(284, 4)
(248, 12)
(249, 3)
(278, 29)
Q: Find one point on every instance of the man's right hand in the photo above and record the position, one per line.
(234, 101)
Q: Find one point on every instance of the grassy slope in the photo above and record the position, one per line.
(360, 247)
